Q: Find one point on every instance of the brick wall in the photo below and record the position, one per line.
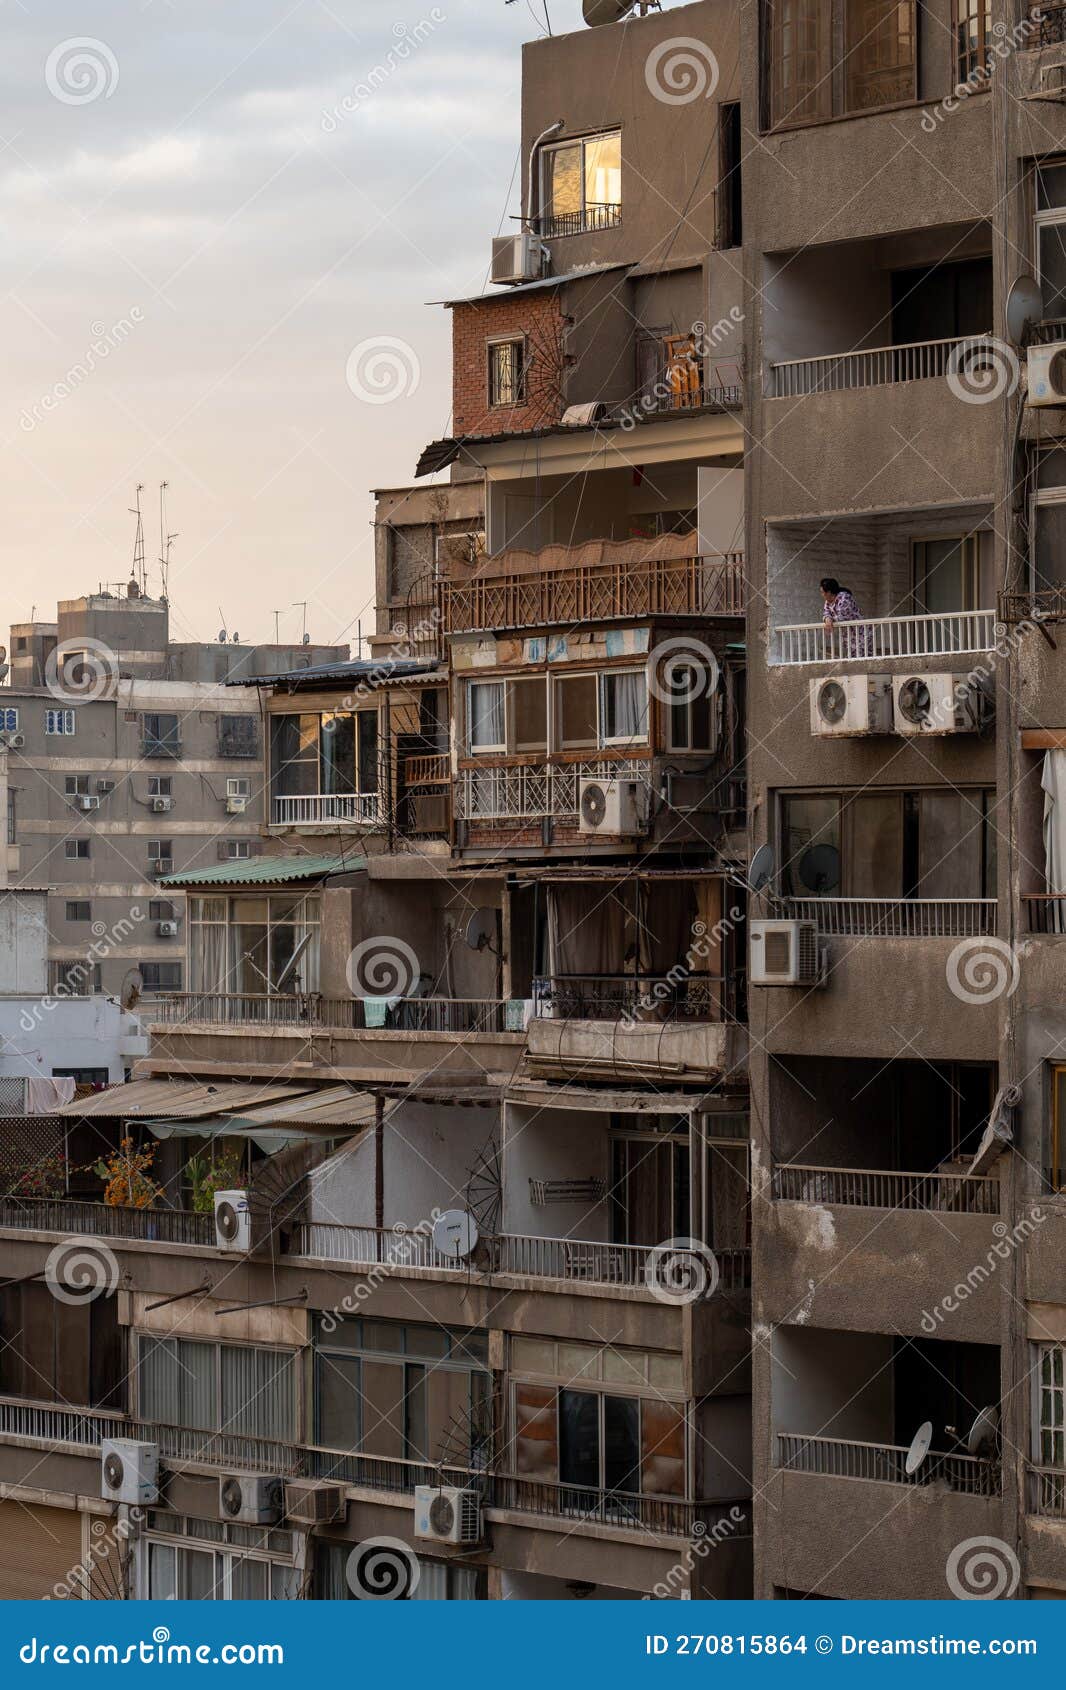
(536, 316)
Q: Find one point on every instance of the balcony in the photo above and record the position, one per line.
(895, 918)
(841, 1458)
(596, 592)
(884, 637)
(310, 1012)
(677, 996)
(1045, 912)
(588, 221)
(877, 1188)
(327, 809)
(1046, 1492)
(102, 1220)
(923, 360)
(529, 791)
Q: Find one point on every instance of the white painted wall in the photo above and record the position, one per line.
(40, 1034)
(429, 1153)
(23, 941)
(553, 1144)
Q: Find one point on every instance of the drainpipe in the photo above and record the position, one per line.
(543, 136)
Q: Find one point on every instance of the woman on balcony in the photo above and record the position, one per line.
(839, 606)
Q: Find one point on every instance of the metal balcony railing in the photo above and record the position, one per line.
(310, 1012)
(103, 1220)
(840, 1458)
(878, 366)
(675, 996)
(696, 586)
(662, 1515)
(1046, 1492)
(876, 1188)
(883, 637)
(315, 808)
(896, 918)
(1043, 604)
(530, 791)
(607, 214)
(1045, 911)
(635, 1266)
(395, 1249)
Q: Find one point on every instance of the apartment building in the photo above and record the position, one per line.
(125, 756)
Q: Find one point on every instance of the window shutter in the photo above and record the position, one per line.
(536, 1431)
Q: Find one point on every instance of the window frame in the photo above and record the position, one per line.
(493, 346)
(842, 797)
(72, 849)
(60, 723)
(970, 543)
(77, 904)
(9, 719)
(830, 87)
(546, 217)
(975, 79)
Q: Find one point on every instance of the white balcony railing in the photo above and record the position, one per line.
(847, 1458)
(638, 1266)
(896, 918)
(877, 1188)
(531, 790)
(877, 366)
(317, 807)
(884, 637)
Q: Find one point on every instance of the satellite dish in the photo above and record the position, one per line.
(761, 868)
(1025, 306)
(132, 987)
(596, 12)
(480, 931)
(3, 671)
(3, 652)
(920, 1445)
(983, 1432)
(455, 1234)
(819, 868)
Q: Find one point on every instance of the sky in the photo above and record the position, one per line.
(222, 221)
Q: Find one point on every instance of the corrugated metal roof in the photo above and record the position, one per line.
(193, 1099)
(513, 290)
(329, 1106)
(265, 871)
(363, 669)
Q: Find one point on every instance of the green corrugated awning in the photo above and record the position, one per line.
(265, 871)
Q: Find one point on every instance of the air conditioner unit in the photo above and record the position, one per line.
(457, 549)
(785, 953)
(167, 929)
(314, 1505)
(518, 258)
(161, 866)
(15, 742)
(447, 1514)
(105, 787)
(160, 806)
(256, 1499)
(933, 704)
(844, 706)
(236, 806)
(233, 1221)
(129, 1471)
(1047, 374)
(429, 812)
(85, 802)
(612, 806)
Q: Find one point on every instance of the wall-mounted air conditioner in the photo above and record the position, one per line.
(845, 706)
(1047, 374)
(167, 929)
(160, 806)
(309, 1504)
(255, 1499)
(785, 953)
(129, 1471)
(105, 787)
(933, 704)
(518, 258)
(236, 806)
(233, 1221)
(447, 1514)
(85, 802)
(617, 807)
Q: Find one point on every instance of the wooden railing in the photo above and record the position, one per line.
(696, 586)
(922, 360)
(896, 918)
(840, 1458)
(883, 637)
(877, 1188)
(427, 769)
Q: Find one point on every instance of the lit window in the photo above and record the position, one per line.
(581, 185)
(879, 58)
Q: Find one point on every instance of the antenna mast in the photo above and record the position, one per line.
(139, 573)
(165, 540)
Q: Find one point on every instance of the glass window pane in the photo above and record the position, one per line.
(162, 1572)
(529, 712)
(575, 698)
(1051, 254)
(950, 830)
(873, 851)
(579, 1361)
(258, 1392)
(806, 825)
(338, 753)
(249, 1581)
(621, 1443)
(486, 719)
(562, 180)
(200, 1576)
(603, 171)
(533, 1355)
(880, 60)
(337, 1380)
(579, 1438)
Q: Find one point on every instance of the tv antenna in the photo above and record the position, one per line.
(138, 540)
(165, 540)
(277, 626)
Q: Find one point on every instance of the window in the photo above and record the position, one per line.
(162, 735)
(161, 977)
(597, 709)
(78, 909)
(160, 786)
(335, 753)
(238, 736)
(581, 185)
(1051, 236)
(160, 909)
(930, 843)
(953, 573)
(575, 711)
(237, 786)
(438, 1581)
(9, 719)
(486, 716)
(59, 1352)
(691, 723)
(1050, 1414)
(973, 31)
(507, 372)
(210, 1386)
(212, 1560)
(160, 850)
(76, 785)
(730, 152)
(623, 707)
(59, 721)
(78, 979)
(234, 850)
(805, 82)
(254, 944)
(76, 848)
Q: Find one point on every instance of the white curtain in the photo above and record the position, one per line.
(626, 713)
(1053, 781)
(486, 713)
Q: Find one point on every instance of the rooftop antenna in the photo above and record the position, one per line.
(165, 540)
(223, 632)
(138, 541)
(277, 633)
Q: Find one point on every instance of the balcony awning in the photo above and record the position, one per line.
(327, 1113)
(265, 871)
(193, 1100)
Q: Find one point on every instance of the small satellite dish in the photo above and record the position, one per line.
(3, 652)
(3, 671)
(480, 932)
(596, 12)
(761, 868)
(455, 1234)
(983, 1432)
(920, 1445)
(1025, 306)
(819, 868)
(132, 987)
